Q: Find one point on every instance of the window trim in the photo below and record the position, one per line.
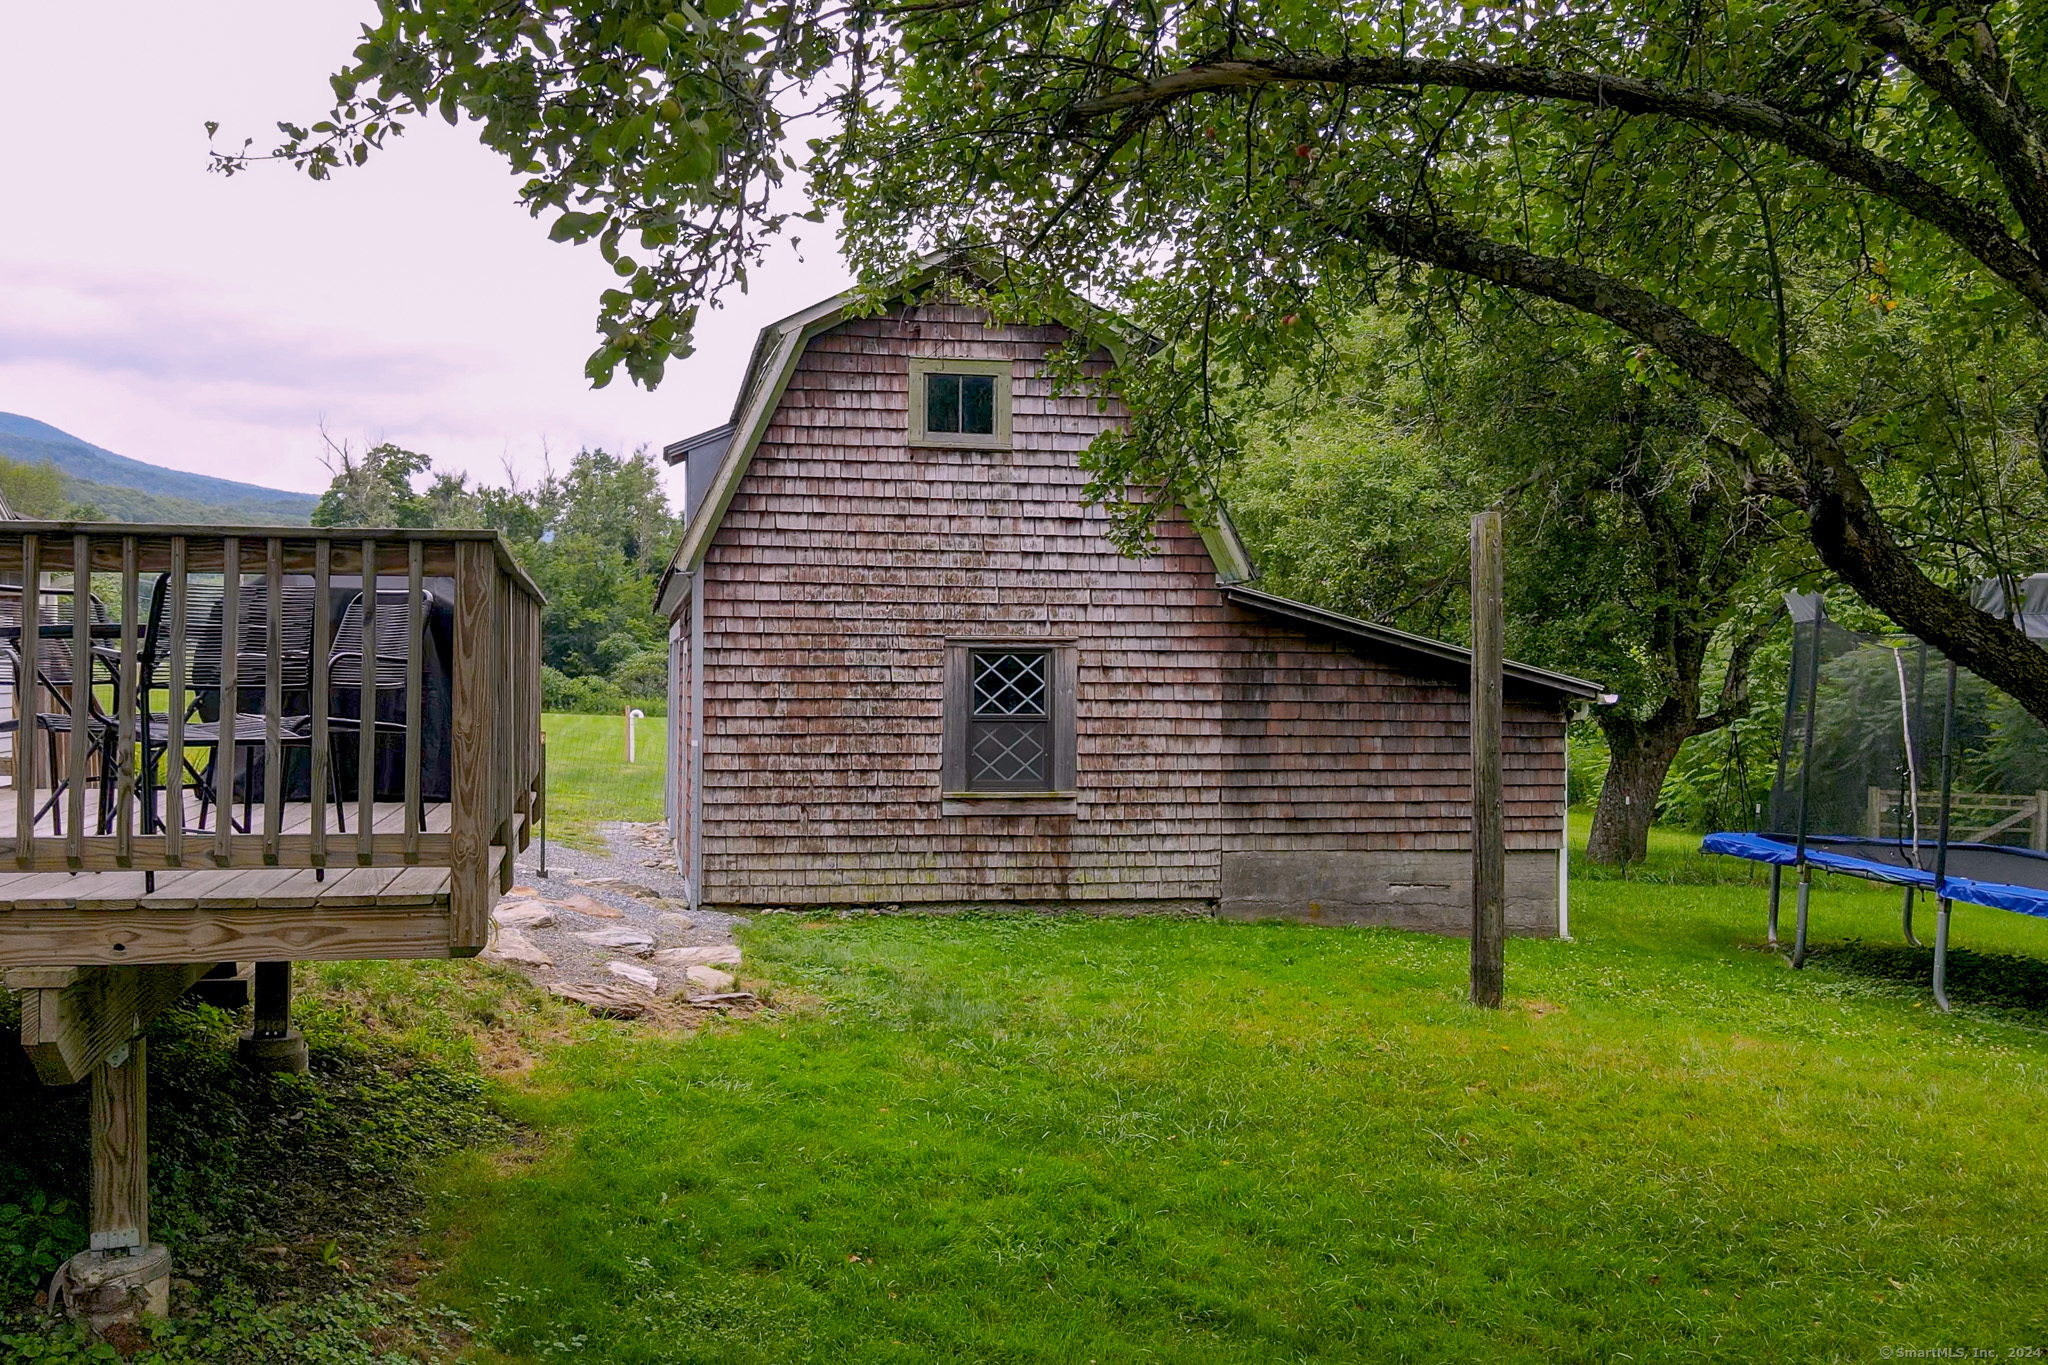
(956, 797)
(1000, 370)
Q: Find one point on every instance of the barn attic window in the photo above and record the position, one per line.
(964, 403)
(960, 403)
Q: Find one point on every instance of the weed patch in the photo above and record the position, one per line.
(291, 1204)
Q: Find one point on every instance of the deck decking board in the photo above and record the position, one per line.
(416, 886)
(109, 890)
(299, 891)
(206, 935)
(225, 888)
(185, 890)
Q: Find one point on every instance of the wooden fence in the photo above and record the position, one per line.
(1974, 817)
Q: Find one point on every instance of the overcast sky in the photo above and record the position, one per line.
(218, 325)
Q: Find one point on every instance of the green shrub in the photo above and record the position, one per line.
(643, 675)
(36, 1233)
(584, 696)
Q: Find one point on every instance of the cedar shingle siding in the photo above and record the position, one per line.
(1204, 731)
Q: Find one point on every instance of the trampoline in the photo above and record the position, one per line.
(1896, 766)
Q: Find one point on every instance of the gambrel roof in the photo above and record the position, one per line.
(774, 361)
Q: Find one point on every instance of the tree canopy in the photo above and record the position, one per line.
(1765, 198)
(1635, 553)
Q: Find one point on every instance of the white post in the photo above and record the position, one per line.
(1564, 848)
(635, 714)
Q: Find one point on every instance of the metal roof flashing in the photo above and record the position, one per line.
(1386, 638)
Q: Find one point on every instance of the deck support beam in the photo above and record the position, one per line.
(72, 1018)
(123, 1275)
(271, 1043)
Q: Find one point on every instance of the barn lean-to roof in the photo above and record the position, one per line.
(773, 362)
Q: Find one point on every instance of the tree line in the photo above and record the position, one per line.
(594, 538)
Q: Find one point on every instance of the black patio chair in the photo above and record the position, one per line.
(216, 717)
(42, 692)
(388, 669)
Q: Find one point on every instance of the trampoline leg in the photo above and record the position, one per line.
(1799, 932)
(1906, 920)
(1771, 924)
(1941, 957)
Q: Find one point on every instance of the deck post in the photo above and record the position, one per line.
(120, 1149)
(123, 1275)
(271, 1043)
(471, 820)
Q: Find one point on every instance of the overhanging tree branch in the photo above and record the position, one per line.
(1973, 227)
(1733, 703)
(1998, 120)
(1846, 526)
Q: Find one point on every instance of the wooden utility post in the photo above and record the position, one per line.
(1489, 849)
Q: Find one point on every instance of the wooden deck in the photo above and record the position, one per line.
(226, 914)
(434, 632)
(116, 640)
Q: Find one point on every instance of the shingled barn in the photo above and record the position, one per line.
(908, 668)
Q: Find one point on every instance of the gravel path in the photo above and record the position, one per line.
(634, 888)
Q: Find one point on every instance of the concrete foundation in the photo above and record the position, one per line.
(1429, 891)
(104, 1290)
(275, 1052)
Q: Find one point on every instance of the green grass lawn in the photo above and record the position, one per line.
(1049, 1140)
(1027, 1140)
(589, 780)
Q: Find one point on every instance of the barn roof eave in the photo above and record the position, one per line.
(675, 452)
(1386, 639)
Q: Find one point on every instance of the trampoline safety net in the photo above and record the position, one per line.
(1895, 766)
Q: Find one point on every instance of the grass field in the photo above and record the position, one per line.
(589, 780)
(1049, 1140)
(1075, 1140)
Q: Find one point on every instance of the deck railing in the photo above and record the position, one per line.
(208, 698)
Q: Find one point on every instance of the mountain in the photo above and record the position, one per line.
(129, 490)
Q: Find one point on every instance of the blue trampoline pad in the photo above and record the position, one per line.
(1994, 875)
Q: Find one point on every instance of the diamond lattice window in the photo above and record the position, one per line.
(1009, 736)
